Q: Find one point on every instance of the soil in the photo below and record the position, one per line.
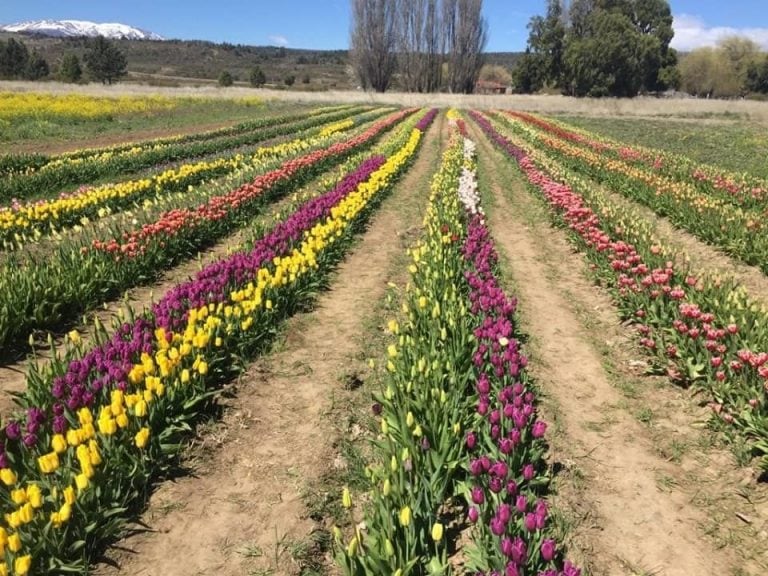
(243, 511)
(630, 508)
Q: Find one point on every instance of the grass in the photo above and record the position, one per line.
(49, 131)
(736, 145)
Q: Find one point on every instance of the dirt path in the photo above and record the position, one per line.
(243, 510)
(703, 256)
(630, 508)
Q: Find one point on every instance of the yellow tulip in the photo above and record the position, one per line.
(22, 564)
(142, 437)
(346, 498)
(14, 542)
(82, 482)
(69, 495)
(59, 443)
(26, 513)
(405, 516)
(65, 512)
(35, 495)
(437, 532)
(7, 476)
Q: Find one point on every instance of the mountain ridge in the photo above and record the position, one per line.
(80, 28)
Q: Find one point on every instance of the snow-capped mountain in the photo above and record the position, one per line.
(61, 28)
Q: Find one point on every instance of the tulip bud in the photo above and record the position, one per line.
(346, 498)
(437, 532)
(389, 550)
(405, 516)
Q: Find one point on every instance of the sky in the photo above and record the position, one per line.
(324, 24)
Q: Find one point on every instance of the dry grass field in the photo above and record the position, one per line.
(693, 108)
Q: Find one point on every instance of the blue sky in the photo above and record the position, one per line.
(324, 24)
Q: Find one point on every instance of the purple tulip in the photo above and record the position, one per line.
(478, 496)
(497, 526)
(528, 472)
(506, 547)
(473, 514)
(511, 569)
(504, 513)
(548, 549)
(471, 440)
(530, 522)
(539, 429)
(521, 503)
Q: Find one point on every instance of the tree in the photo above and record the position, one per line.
(37, 67)
(707, 72)
(104, 60)
(69, 69)
(605, 61)
(258, 78)
(373, 42)
(529, 75)
(466, 35)
(419, 45)
(739, 52)
(289, 80)
(14, 57)
(600, 47)
(757, 76)
(546, 43)
(225, 79)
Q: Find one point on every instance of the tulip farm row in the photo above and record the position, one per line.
(83, 167)
(98, 424)
(701, 329)
(460, 446)
(723, 209)
(47, 288)
(28, 163)
(29, 221)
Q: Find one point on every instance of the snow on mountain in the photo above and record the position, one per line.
(61, 28)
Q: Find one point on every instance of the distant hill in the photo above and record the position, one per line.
(74, 28)
(177, 62)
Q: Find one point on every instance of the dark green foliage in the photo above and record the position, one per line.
(105, 62)
(69, 69)
(600, 48)
(36, 68)
(757, 76)
(257, 77)
(14, 57)
(529, 74)
(289, 80)
(225, 78)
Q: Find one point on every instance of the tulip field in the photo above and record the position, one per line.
(456, 472)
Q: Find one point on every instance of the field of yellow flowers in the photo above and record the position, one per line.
(458, 470)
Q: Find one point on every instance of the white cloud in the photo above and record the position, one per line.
(278, 40)
(692, 32)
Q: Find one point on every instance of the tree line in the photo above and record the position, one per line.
(103, 61)
(428, 45)
(735, 67)
(600, 48)
(621, 48)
